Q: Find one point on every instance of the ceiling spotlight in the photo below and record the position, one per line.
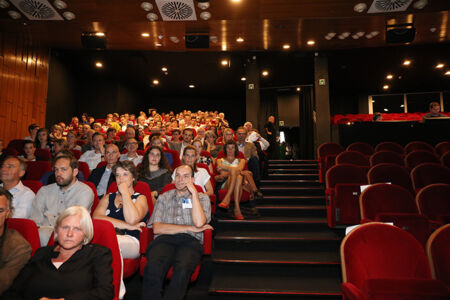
(355, 36)
(385, 87)
(4, 4)
(69, 15)
(439, 66)
(243, 79)
(100, 34)
(235, 1)
(158, 45)
(286, 46)
(213, 39)
(224, 62)
(265, 73)
(386, 109)
(164, 69)
(147, 6)
(145, 34)
(374, 33)
(406, 62)
(360, 7)
(433, 29)
(331, 34)
(203, 5)
(310, 43)
(205, 15)
(59, 4)
(240, 40)
(14, 14)
(327, 37)
(98, 64)
(402, 105)
(341, 37)
(345, 34)
(369, 36)
(389, 76)
(447, 73)
(155, 81)
(419, 4)
(191, 86)
(174, 39)
(152, 17)
(360, 33)
(298, 89)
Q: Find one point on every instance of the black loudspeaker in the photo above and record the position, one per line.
(400, 34)
(197, 41)
(92, 40)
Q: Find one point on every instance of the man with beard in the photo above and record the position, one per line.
(54, 198)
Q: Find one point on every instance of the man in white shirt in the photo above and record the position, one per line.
(93, 157)
(188, 135)
(132, 145)
(10, 173)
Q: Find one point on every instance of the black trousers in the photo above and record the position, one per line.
(183, 252)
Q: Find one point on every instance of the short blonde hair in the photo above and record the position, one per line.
(85, 221)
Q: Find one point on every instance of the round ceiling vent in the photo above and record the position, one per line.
(391, 5)
(177, 10)
(36, 9)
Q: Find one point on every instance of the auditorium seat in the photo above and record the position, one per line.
(361, 147)
(381, 261)
(392, 203)
(392, 173)
(343, 187)
(389, 146)
(442, 148)
(418, 157)
(326, 154)
(418, 145)
(176, 162)
(445, 159)
(385, 156)
(83, 167)
(94, 190)
(433, 202)
(10, 152)
(429, 173)
(354, 158)
(17, 145)
(28, 229)
(101, 164)
(76, 153)
(36, 169)
(438, 249)
(34, 185)
(81, 142)
(43, 154)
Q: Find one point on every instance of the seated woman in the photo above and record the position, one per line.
(126, 209)
(73, 269)
(29, 148)
(203, 159)
(110, 136)
(157, 141)
(201, 176)
(42, 140)
(72, 141)
(210, 144)
(155, 171)
(59, 145)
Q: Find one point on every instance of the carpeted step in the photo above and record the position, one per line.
(292, 210)
(273, 224)
(291, 182)
(293, 200)
(292, 190)
(312, 165)
(293, 171)
(295, 176)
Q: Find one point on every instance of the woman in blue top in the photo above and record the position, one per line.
(125, 209)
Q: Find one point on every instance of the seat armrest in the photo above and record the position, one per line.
(207, 242)
(145, 237)
(351, 292)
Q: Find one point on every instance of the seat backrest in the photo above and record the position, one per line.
(429, 173)
(438, 249)
(34, 185)
(445, 159)
(386, 157)
(329, 149)
(140, 187)
(76, 153)
(81, 142)
(434, 200)
(376, 250)
(345, 173)
(352, 157)
(83, 167)
(386, 198)
(383, 173)
(442, 148)
(361, 147)
(418, 145)
(389, 146)
(176, 162)
(43, 154)
(94, 190)
(101, 164)
(28, 229)
(417, 157)
(36, 169)
(17, 145)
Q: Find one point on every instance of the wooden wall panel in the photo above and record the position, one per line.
(23, 86)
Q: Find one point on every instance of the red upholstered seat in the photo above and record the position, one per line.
(418, 145)
(381, 261)
(386, 157)
(43, 154)
(221, 154)
(389, 146)
(429, 173)
(76, 153)
(383, 173)
(83, 167)
(36, 169)
(442, 148)
(176, 162)
(94, 190)
(418, 157)
(17, 145)
(28, 229)
(438, 249)
(445, 159)
(10, 152)
(101, 164)
(81, 142)
(354, 158)
(361, 147)
(326, 154)
(433, 202)
(392, 203)
(343, 184)
(34, 185)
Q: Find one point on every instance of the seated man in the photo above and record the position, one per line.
(188, 135)
(32, 129)
(14, 249)
(93, 157)
(132, 146)
(10, 173)
(102, 177)
(435, 111)
(49, 178)
(179, 218)
(53, 199)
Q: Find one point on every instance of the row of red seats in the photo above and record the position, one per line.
(351, 118)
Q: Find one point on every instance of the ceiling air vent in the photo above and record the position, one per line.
(37, 9)
(176, 10)
(385, 6)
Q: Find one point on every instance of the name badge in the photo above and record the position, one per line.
(186, 202)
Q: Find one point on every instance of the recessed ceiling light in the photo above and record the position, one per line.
(374, 33)
(265, 73)
(385, 87)
(174, 39)
(100, 34)
(360, 7)
(69, 15)
(213, 39)
(240, 40)
(235, 1)
(433, 29)
(447, 73)
(4, 4)
(147, 6)
(158, 45)
(331, 34)
(419, 4)
(389, 76)
(99, 64)
(386, 109)
(345, 34)
(439, 66)
(341, 37)
(360, 33)
(369, 36)
(155, 81)
(298, 89)
(191, 86)
(286, 46)
(406, 62)
(145, 34)
(327, 37)
(224, 62)
(243, 79)
(14, 14)
(310, 43)
(203, 5)
(152, 17)
(164, 69)
(205, 15)
(59, 4)
(355, 36)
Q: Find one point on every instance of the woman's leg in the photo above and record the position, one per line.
(237, 197)
(231, 182)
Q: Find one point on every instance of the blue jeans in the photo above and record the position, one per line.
(181, 251)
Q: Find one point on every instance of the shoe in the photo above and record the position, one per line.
(259, 194)
(222, 205)
(238, 216)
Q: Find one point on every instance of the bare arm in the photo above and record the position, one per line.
(132, 212)
(198, 215)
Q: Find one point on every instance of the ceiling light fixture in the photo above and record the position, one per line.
(158, 45)
(345, 34)
(155, 81)
(369, 36)
(174, 39)
(433, 29)
(100, 34)
(203, 5)
(389, 76)
(224, 62)
(147, 6)
(145, 34)
(152, 17)
(69, 15)
(265, 73)
(14, 14)
(360, 7)
(310, 43)
(298, 89)
(386, 109)
(164, 69)
(235, 1)
(331, 34)
(385, 87)
(240, 40)
(447, 73)
(355, 36)
(59, 4)
(99, 64)
(4, 4)
(419, 4)
(286, 46)
(205, 15)
(374, 33)
(439, 66)
(243, 79)
(406, 62)
(191, 86)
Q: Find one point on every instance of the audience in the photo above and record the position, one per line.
(103, 176)
(435, 111)
(96, 155)
(72, 141)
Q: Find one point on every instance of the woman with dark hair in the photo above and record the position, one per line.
(155, 171)
(42, 140)
(203, 159)
(126, 209)
(210, 144)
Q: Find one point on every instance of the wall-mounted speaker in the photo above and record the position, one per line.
(92, 40)
(400, 34)
(197, 41)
